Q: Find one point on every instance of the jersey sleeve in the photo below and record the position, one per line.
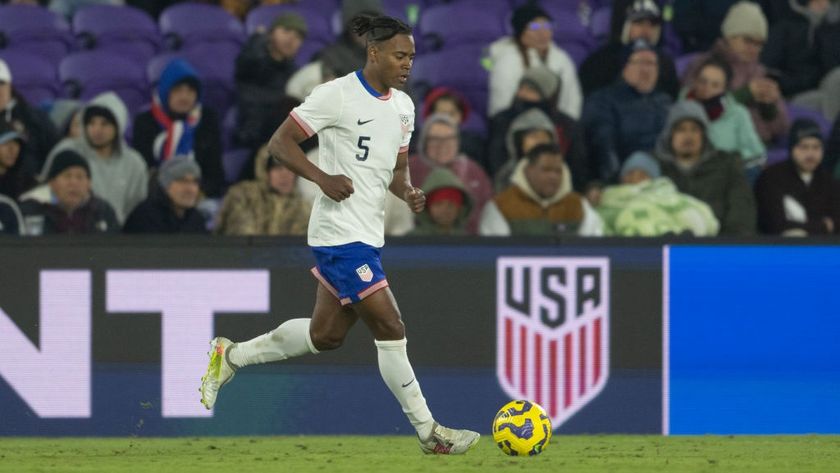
(322, 108)
(408, 129)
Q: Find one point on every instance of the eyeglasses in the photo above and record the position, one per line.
(539, 25)
(441, 139)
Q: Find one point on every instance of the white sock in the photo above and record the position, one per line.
(288, 340)
(398, 375)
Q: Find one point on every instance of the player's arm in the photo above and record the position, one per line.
(402, 188)
(285, 146)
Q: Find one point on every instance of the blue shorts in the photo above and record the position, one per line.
(350, 272)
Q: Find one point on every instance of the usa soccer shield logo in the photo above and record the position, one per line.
(364, 272)
(553, 331)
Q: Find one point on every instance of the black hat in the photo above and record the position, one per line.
(804, 128)
(524, 15)
(67, 159)
(99, 111)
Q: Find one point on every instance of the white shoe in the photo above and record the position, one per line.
(446, 441)
(219, 371)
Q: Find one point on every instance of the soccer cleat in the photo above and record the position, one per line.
(219, 371)
(446, 441)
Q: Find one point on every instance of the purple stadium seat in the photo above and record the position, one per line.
(406, 10)
(87, 74)
(317, 18)
(599, 28)
(127, 30)
(233, 161)
(186, 24)
(307, 50)
(34, 77)
(34, 29)
(457, 67)
(682, 63)
(445, 24)
(776, 155)
(569, 33)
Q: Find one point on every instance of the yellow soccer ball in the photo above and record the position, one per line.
(522, 428)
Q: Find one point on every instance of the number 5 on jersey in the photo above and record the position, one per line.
(363, 146)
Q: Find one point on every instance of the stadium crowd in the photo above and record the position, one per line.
(568, 117)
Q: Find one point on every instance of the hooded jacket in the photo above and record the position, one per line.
(519, 210)
(440, 178)
(39, 131)
(150, 137)
(473, 178)
(717, 178)
(19, 178)
(121, 179)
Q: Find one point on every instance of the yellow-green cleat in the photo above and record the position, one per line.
(219, 371)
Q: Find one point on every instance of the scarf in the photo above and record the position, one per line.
(179, 134)
(712, 106)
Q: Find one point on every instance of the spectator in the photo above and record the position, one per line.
(448, 205)
(263, 67)
(269, 205)
(798, 197)
(603, 66)
(31, 123)
(171, 208)
(538, 89)
(645, 204)
(453, 104)
(72, 209)
(744, 33)
(15, 175)
(438, 148)
(179, 125)
(825, 95)
(730, 125)
(698, 22)
(11, 220)
(540, 201)
(531, 45)
(529, 129)
(118, 172)
(628, 115)
(715, 177)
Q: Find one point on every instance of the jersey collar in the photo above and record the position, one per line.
(370, 89)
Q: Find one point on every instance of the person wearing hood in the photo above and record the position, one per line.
(628, 115)
(531, 45)
(744, 33)
(15, 174)
(271, 204)
(646, 204)
(72, 208)
(529, 129)
(643, 20)
(438, 148)
(11, 220)
(798, 197)
(32, 124)
(540, 201)
(118, 173)
(448, 206)
(179, 125)
(171, 208)
(263, 68)
(538, 89)
(689, 159)
(730, 125)
(451, 102)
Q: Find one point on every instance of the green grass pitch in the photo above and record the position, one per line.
(612, 454)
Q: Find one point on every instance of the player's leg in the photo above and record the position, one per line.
(380, 313)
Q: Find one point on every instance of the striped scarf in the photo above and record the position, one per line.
(180, 134)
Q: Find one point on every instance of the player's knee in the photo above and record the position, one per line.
(326, 341)
(391, 329)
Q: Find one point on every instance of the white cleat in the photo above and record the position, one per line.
(219, 371)
(446, 441)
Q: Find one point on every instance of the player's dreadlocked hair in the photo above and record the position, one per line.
(378, 28)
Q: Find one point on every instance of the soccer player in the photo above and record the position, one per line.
(364, 125)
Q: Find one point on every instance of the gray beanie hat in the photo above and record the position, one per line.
(542, 79)
(642, 161)
(177, 168)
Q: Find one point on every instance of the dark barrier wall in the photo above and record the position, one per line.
(108, 337)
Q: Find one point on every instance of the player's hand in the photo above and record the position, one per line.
(416, 199)
(337, 188)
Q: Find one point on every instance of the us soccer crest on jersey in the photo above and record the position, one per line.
(553, 331)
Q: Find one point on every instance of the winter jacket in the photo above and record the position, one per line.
(770, 120)
(155, 215)
(603, 67)
(733, 131)
(440, 178)
(618, 121)
(254, 208)
(20, 177)
(150, 137)
(11, 220)
(35, 125)
(786, 204)
(654, 208)
(520, 211)
(509, 67)
(717, 178)
(121, 179)
(94, 216)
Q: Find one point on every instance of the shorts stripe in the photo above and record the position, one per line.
(328, 286)
(381, 284)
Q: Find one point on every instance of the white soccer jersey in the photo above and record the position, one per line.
(360, 134)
